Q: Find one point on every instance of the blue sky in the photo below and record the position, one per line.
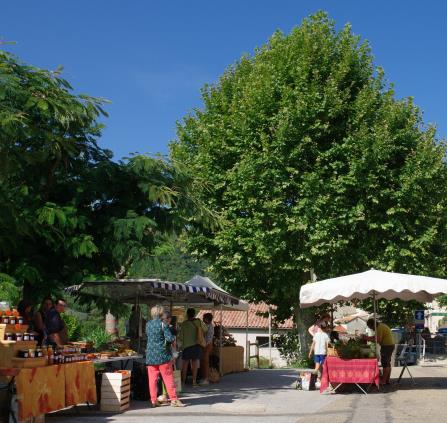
(150, 58)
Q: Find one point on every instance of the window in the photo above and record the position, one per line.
(263, 341)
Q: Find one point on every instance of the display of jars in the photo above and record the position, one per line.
(23, 353)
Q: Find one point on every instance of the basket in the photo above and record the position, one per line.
(333, 352)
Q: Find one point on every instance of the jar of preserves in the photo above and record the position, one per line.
(19, 336)
(26, 336)
(9, 336)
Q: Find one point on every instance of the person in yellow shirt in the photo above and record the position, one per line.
(386, 341)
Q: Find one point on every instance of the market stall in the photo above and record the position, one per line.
(199, 292)
(372, 284)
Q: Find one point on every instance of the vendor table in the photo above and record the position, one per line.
(123, 360)
(339, 371)
(41, 390)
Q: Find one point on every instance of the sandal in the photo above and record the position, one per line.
(177, 403)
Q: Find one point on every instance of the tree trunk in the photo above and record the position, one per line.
(304, 318)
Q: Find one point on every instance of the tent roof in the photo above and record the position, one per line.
(153, 290)
(204, 282)
(387, 285)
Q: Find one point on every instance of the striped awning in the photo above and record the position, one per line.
(149, 290)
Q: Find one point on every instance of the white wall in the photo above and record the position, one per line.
(239, 336)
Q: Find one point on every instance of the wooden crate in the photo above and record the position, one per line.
(29, 362)
(4, 328)
(115, 408)
(9, 349)
(115, 391)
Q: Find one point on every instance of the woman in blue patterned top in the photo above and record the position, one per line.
(159, 357)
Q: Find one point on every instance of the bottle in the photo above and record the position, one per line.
(50, 355)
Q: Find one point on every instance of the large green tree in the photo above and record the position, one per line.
(68, 212)
(313, 164)
(47, 149)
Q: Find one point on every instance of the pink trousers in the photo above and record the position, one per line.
(168, 378)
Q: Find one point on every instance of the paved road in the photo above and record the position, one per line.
(269, 396)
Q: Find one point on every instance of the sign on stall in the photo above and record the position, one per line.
(419, 319)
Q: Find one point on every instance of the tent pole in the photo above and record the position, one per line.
(139, 329)
(247, 346)
(375, 323)
(220, 341)
(332, 316)
(270, 338)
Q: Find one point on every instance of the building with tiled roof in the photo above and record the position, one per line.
(257, 328)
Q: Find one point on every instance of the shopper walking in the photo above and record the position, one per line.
(159, 357)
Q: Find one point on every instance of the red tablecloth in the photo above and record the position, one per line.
(338, 370)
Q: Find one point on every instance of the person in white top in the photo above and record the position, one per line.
(319, 348)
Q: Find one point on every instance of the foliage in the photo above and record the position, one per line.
(312, 163)
(47, 150)
(73, 326)
(8, 290)
(394, 312)
(70, 213)
(264, 363)
(98, 336)
(288, 345)
(442, 300)
(170, 262)
(302, 363)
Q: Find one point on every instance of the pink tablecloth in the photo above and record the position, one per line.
(338, 370)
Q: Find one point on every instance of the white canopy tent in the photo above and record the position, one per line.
(373, 284)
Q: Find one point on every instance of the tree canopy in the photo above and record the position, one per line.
(313, 163)
(68, 211)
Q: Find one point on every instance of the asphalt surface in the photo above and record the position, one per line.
(270, 396)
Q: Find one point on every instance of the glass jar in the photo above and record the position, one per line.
(12, 320)
(9, 336)
(26, 336)
(31, 353)
(19, 336)
(20, 320)
(5, 319)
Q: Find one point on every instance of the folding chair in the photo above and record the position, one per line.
(403, 360)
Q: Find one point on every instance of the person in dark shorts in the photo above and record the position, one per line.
(386, 341)
(191, 350)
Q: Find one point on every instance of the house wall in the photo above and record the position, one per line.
(239, 336)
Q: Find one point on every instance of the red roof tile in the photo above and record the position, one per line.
(238, 319)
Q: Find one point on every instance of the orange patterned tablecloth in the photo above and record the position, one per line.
(40, 390)
(80, 384)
